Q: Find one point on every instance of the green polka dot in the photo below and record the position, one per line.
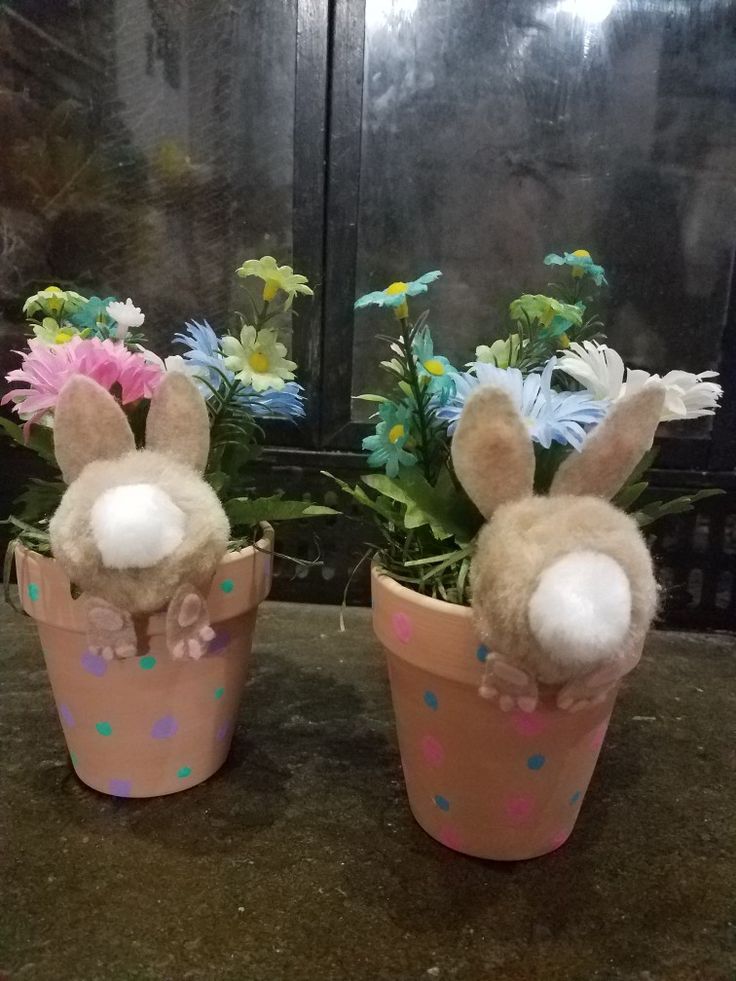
(219, 692)
(184, 771)
(227, 585)
(148, 662)
(104, 728)
(74, 758)
(33, 591)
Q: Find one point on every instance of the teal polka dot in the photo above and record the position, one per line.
(431, 700)
(536, 762)
(575, 797)
(33, 591)
(104, 728)
(184, 771)
(482, 653)
(227, 585)
(148, 662)
(219, 692)
(74, 758)
(442, 802)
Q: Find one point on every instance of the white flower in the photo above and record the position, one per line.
(174, 362)
(126, 316)
(258, 358)
(601, 370)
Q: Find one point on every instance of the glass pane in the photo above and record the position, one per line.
(493, 134)
(147, 149)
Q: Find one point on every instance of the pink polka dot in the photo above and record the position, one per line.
(519, 808)
(528, 723)
(432, 750)
(450, 837)
(402, 627)
(598, 735)
(558, 840)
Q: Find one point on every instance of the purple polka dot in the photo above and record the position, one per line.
(120, 788)
(222, 731)
(66, 715)
(165, 728)
(94, 664)
(402, 627)
(220, 642)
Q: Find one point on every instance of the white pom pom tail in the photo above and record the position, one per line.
(136, 525)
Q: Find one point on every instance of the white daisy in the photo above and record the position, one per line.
(126, 316)
(601, 370)
(258, 358)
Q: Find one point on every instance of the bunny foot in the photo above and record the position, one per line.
(110, 631)
(594, 688)
(509, 685)
(188, 630)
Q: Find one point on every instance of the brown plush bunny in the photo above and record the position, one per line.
(137, 529)
(563, 589)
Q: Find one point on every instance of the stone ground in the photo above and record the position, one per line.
(300, 859)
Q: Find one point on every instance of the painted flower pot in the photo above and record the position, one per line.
(148, 725)
(493, 784)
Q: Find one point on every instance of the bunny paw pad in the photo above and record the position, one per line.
(508, 685)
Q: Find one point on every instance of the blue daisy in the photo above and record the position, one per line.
(581, 264)
(395, 295)
(552, 417)
(433, 366)
(387, 446)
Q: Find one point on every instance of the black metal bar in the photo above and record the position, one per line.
(723, 447)
(346, 106)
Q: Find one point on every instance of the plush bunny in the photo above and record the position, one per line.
(137, 529)
(563, 589)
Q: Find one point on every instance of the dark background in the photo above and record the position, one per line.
(149, 146)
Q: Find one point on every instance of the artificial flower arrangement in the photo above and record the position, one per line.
(562, 377)
(244, 375)
(511, 590)
(146, 610)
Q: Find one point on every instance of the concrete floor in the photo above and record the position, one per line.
(300, 860)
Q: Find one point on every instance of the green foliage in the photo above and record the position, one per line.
(40, 439)
(248, 512)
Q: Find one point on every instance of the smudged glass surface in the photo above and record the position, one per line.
(147, 149)
(493, 134)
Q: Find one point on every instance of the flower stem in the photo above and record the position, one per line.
(407, 340)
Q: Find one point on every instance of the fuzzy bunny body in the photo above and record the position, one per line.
(563, 588)
(137, 530)
(142, 589)
(524, 540)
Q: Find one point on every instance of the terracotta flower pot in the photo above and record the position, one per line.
(148, 725)
(485, 782)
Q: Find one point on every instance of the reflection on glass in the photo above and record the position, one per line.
(493, 134)
(147, 149)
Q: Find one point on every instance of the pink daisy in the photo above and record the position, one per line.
(46, 368)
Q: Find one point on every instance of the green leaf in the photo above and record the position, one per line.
(383, 508)
(40, 439)
(630, 495)
(249, 511)
(39, 500)
(678, 505)
(425, 505)
(371, 398)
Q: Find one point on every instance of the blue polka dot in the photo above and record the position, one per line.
(442, 802)
(575, 797)
(227, 585)
(536, 762)
(430, 700)
(482, 653)
(33, 591)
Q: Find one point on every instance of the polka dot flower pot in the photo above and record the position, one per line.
(148, 725)
(497, 785)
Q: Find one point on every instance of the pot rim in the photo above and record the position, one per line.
(406, 594)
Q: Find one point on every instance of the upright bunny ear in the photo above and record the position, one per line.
(491, 451)
(614, 448)
(178, 424)
(88, 425)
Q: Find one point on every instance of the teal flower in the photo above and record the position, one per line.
(554, 316)
(387, 445)
(581, 264)
(93, 314)
(395, 295)
(433, 366)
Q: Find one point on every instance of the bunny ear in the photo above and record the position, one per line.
(492, 452)
(88, 425)
(614, 448)
(178, 424)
